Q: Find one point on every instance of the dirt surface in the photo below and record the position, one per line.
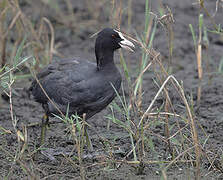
(76, 42)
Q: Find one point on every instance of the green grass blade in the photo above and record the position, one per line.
(19, 52)
(193, 36)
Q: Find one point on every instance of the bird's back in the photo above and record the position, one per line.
(78, 83)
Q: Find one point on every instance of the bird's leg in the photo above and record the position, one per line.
(45, 121)
(88, 139)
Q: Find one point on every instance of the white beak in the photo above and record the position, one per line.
(124, 43)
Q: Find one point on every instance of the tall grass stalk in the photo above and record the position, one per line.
(146, 40)
(198, 52)
(78, 132)
(7, 80)
(126, 112)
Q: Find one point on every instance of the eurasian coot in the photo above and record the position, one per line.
(81, 85)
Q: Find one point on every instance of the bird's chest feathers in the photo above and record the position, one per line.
(104, 83)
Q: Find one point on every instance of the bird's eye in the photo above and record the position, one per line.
(113, 35)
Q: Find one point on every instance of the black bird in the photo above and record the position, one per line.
(83, 86)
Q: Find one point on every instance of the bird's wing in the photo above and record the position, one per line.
(66, 83)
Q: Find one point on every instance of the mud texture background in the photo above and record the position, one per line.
(76, 41)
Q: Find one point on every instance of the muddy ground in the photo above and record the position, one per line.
(76, 42)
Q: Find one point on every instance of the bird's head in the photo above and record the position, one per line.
(111, 39)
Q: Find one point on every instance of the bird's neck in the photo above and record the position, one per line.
(104, 58)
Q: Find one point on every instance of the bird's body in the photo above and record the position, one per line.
(82, 86)
(77, 83)
(79, 86)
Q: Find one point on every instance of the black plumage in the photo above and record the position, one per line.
(84, 85)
